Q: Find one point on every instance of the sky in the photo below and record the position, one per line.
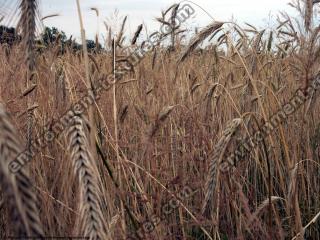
(255, 12)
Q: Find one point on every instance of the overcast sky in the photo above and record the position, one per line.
(144, 11)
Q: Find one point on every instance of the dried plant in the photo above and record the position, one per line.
(121, 32)
(136, 34)
(91, 222)
(308, 14)
(27, 23)
(199, 38)
(164, 131)
(50, 16)
(217, 158)
(161, 117)
(17, 186)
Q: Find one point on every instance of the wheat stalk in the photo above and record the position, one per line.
(219, 153)
(91, 220)
(199, 38)
(173, 24)
(265, 203)
(50, 16)
(89, 83)
(162, 116)
(292, 188)
(27, 23)
(136, 34)
(308, 14)
(96, 10)
(18, 188)
(120, 35)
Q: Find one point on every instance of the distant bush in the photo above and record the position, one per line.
(8, 35)
(49, 37)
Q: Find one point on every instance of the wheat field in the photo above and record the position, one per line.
(209, 136)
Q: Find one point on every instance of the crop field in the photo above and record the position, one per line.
(206, 134)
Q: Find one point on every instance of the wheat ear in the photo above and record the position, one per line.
(91, 220)
(27, 23)
(17, 187)
(219, 152)
(308, 14)
(120, 35)
(136, 34)
(199, 38)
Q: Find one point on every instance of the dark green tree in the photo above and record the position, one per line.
(53, 36)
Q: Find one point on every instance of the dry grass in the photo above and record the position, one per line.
(165, 127)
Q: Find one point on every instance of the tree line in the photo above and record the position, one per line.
(49, 37)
